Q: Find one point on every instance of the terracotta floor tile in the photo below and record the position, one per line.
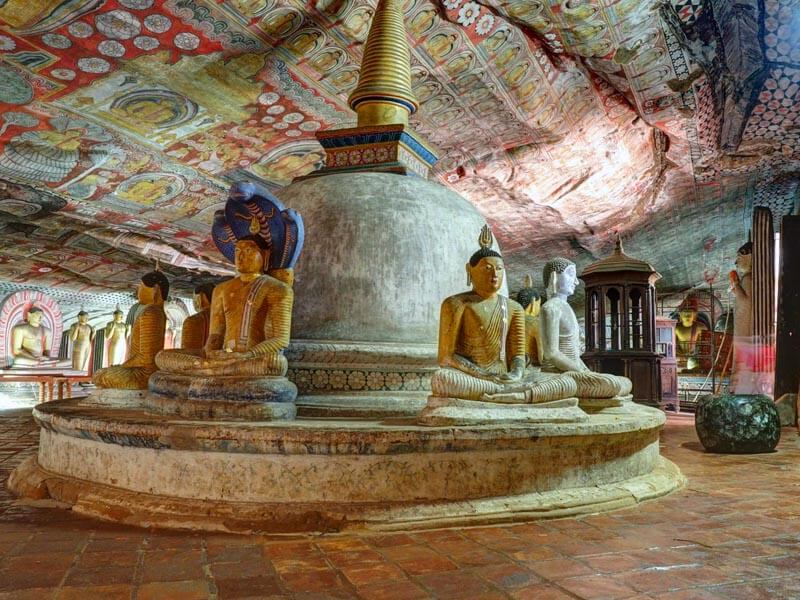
(173, 590)
(542, 592)
(354, 558)
(38, 593)
(172, 565)
(559, 568)
(246, 587)
(95, 592)
(311, 581)
(597, 587)
(508, 576)
(372, 574)
(455, 585)
(394, 590)
(611, 563)
(103, 575)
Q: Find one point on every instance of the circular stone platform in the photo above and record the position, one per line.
(308, 475)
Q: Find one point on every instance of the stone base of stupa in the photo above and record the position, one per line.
(132, 466)
(361, 379)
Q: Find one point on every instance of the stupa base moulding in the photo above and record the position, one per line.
(333, 475)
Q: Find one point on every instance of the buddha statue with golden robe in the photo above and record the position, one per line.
(531, 303)
(241, 369)
(195, 328)
(147, 338)
(81, 334)
(31, 341)
(482, 356)
(687, 334)
(117, 332)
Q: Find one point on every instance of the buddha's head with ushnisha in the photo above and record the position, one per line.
(153, 289)
(687, 312)
(35, 316)
(485, 267)
(251, 255)
(560, 277)
(529, 298)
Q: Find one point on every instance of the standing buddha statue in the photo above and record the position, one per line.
(81, 334)
(147, 338)
(687, 334)
(117, 333)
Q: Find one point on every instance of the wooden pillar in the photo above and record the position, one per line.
(763, 284)
(787, 351)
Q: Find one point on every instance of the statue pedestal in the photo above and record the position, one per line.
(250, 398)
(456, 411)
(329, 475)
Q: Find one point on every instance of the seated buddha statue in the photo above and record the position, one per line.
(240, 370)
(482, 351)
(559, 338)
(195, 328)
(531, 303)
(249, 322)
(147, 338)
(687, 334)
(31, 341)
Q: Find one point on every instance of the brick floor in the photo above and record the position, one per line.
(734, 532)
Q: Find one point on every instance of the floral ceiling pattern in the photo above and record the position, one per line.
(124, 122)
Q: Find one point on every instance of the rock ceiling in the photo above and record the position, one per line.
(123, 122)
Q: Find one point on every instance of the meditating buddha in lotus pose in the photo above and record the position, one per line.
(195, 328)
(250, 322)
(482, 342)
(147, 338)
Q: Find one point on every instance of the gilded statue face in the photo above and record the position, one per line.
(687, 317)
(35, 318)
(117, 317)
(744, 262)
(567, 281)
(487, 275)
(248, 257)
(148, 295)
(83, 319)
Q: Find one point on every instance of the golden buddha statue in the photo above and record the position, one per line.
(250, 322)
(482, 342)
(240, 371)
(687, 334)
(195, 327)
(117, 333)
(147, 338)
(31, 341)
(531, 303)
(81, 334)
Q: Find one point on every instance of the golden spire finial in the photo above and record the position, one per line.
(485, 239)
(255, 226)
(618, 247)
(384, 95)
(528, 282)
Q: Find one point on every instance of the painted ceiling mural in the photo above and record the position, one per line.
(123, 123)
